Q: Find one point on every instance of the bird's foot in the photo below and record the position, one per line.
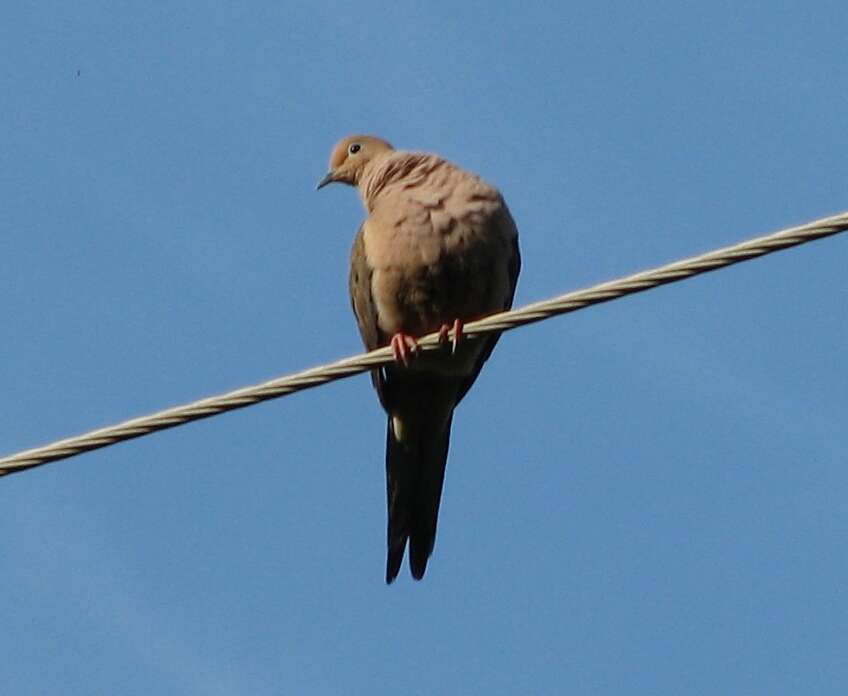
(457, 334)
(404, 347)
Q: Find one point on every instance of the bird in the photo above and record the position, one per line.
(437, 249)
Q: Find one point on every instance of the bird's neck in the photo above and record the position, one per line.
(396, 168)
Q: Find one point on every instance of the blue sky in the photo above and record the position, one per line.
(644, 497)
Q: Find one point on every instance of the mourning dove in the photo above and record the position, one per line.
(438, 248)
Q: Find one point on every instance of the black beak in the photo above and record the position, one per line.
(326, 180)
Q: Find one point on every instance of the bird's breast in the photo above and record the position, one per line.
(420, 282)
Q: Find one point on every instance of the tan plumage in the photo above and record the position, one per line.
(438, 245)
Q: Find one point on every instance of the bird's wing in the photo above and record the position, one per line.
(364, 308)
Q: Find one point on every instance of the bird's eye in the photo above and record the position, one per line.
(354, 148)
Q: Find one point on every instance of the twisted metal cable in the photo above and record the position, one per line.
(354, 365)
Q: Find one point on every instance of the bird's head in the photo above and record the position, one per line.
(351, 156)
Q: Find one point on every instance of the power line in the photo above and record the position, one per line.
(354, 365)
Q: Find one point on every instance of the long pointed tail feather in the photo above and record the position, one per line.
(415, 475)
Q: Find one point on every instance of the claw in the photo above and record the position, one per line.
(457, 334)
(403, 347)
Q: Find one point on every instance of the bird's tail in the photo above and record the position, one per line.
(415, 473)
